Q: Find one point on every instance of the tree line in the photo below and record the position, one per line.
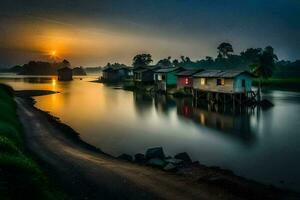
(261, 62)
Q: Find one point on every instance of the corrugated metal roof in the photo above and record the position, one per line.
(167, 70)
(189, 72)
(220, 73)
(145, 68)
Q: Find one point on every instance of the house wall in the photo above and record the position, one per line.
(65, 75)
(230, 86)
(211, 85)
(171, 78)
(184, 81)
(111, 76)
(148, 76)
(237, 86)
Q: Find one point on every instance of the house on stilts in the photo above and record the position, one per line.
(223, 86)
(165, 78)
(116, 74)
(185, 79)
(144, 75)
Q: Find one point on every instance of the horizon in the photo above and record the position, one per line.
(100, 32)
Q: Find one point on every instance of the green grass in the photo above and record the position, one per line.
(280, 83)
(20, 176)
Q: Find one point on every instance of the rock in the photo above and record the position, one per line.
(156, 152)
(170, 167)
(126, 157)
(174, 161)
(183, 156)
(157, 162)
(139, 158)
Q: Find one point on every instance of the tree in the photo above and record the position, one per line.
(66, 63)
(265, 66)
(142, 60)
(166, 62)
(175, 62)
(251, 55)
(224, 49)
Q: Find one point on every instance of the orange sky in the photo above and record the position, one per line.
(83, 44)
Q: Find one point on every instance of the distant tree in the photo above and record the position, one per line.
(266, 63)
(251, 55)
(265, 66)
(185, 59)
(66, 63)
(209, 60)
(115, 65)
(166, 62)
(175, 62)
(142, 60)
(224, 49)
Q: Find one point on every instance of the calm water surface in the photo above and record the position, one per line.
(263, 145)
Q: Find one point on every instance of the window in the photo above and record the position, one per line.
(243, 83)
(220, 81)
(203, 81)
(186, 81)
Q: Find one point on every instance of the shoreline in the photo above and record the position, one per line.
(215, 177)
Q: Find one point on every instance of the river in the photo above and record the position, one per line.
(262, 145)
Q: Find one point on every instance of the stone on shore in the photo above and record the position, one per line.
(126, 157)
(156, 152)
(170, 167)
(157, 162)
(174, 161)
(183, 156)
(139, 158)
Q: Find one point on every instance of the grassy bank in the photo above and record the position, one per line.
(280, 83)
(20, 176)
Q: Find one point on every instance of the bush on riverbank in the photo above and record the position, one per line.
(20, 176)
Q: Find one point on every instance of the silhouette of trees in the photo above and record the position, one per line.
(265, 64)
(115, 65)
(66, 63)
(142, 60)
(251, 55)
(224, 49)
(43, 68)
(166, 62)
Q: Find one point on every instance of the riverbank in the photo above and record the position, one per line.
(20, 176)
(85, 171)
(292, 84)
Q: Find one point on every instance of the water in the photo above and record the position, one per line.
(263, 145)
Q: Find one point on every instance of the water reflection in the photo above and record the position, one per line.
(164, 104)
(235, 123)
(143, 102)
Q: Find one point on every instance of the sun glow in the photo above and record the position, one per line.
(53, 83)
(53, 55)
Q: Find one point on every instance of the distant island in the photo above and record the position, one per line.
(43, 68)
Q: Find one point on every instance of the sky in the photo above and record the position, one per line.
(94, 32)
